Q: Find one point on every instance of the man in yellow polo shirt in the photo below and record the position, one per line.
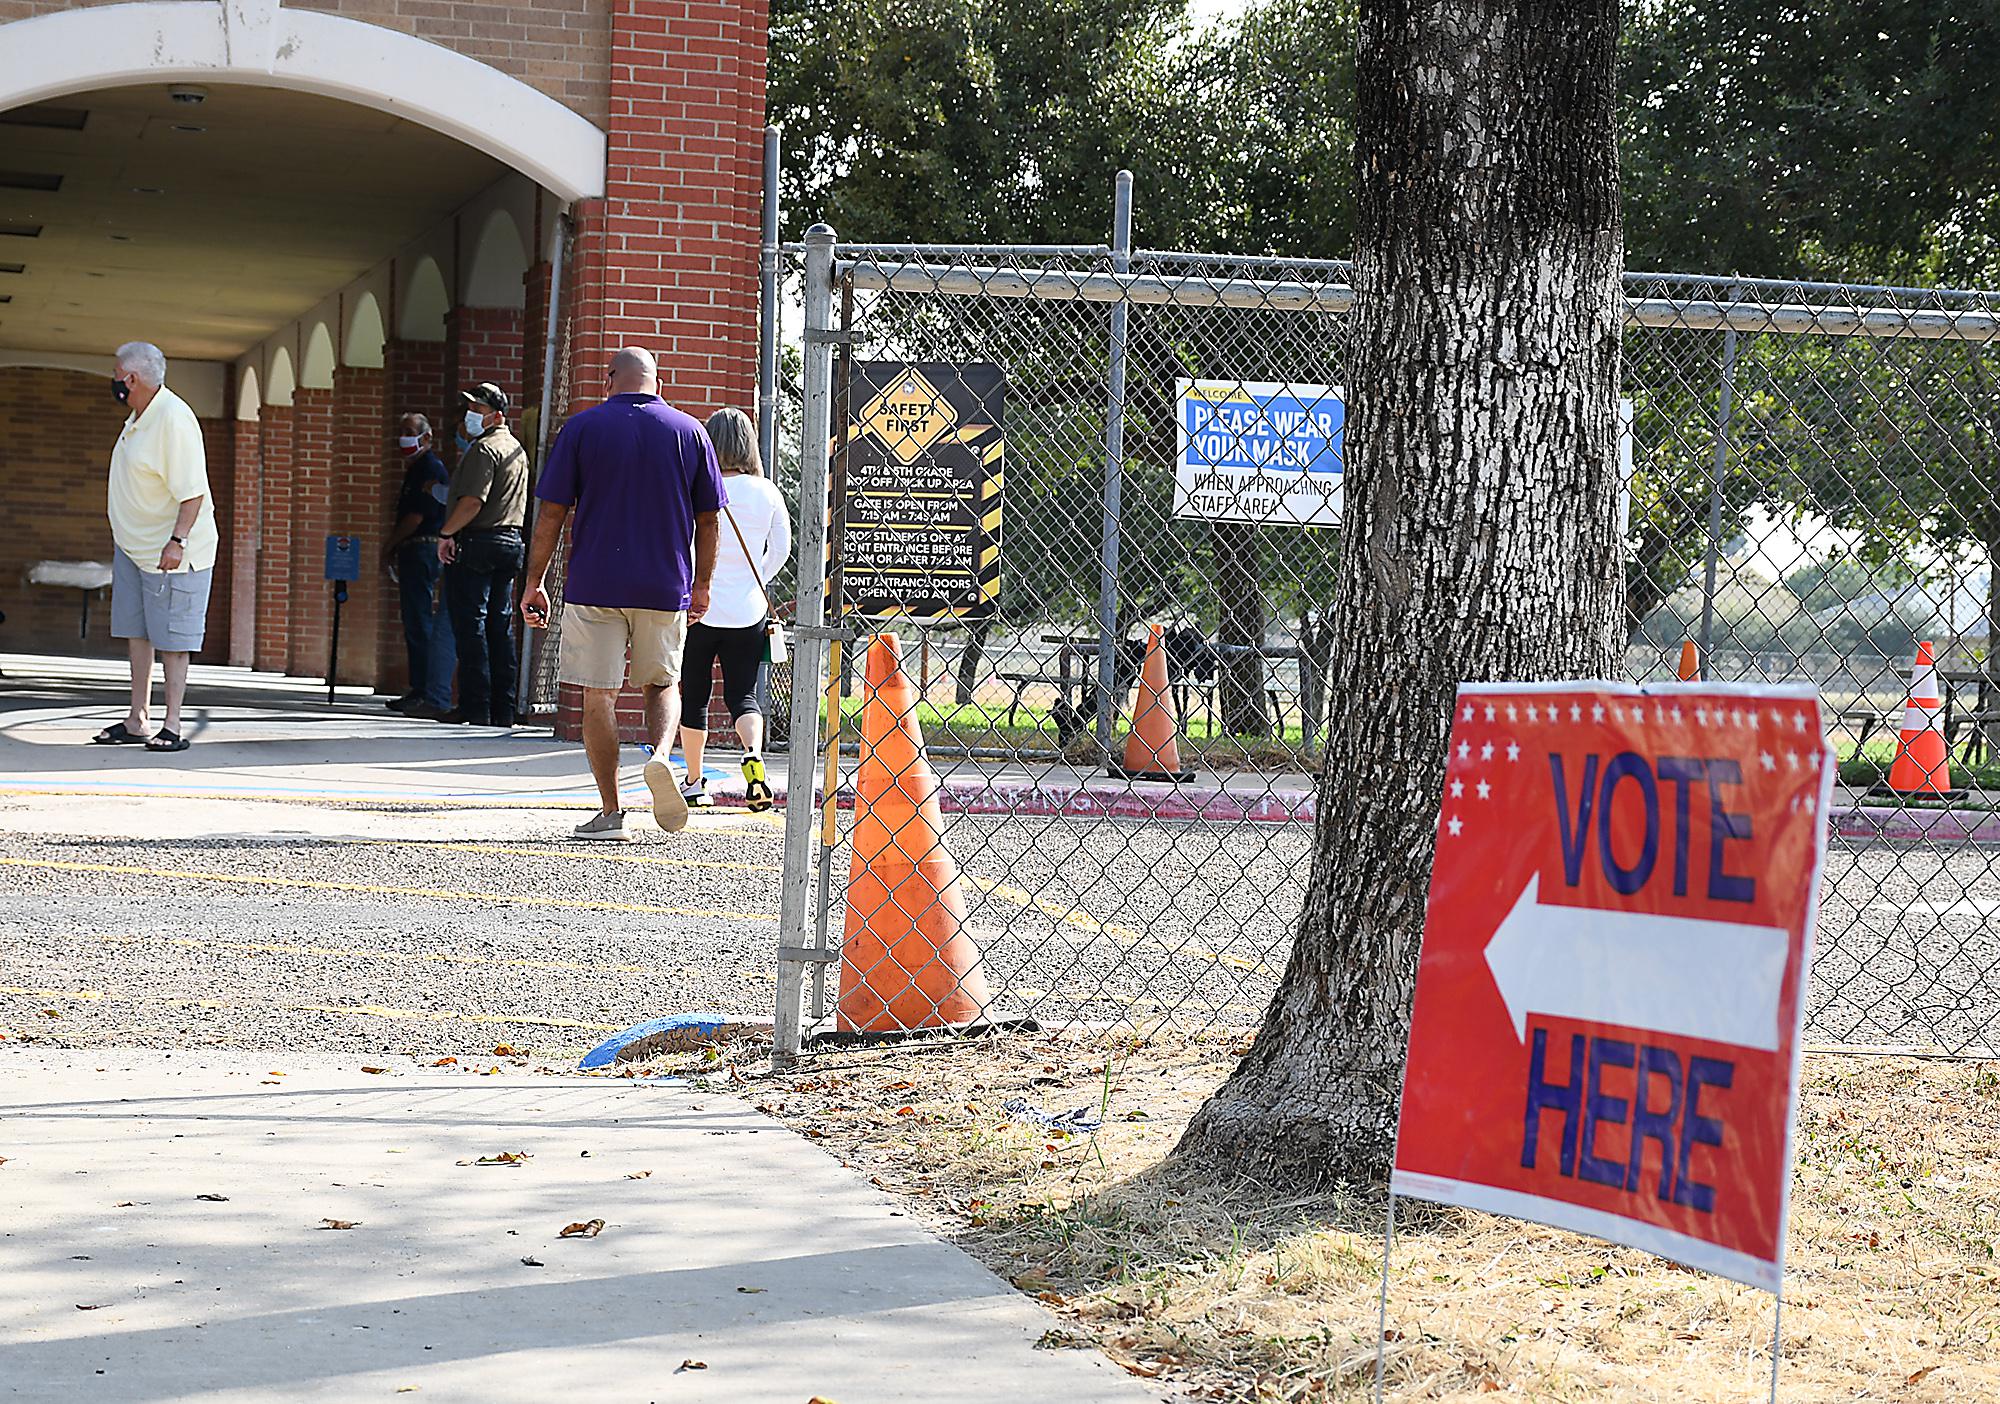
(163, 524)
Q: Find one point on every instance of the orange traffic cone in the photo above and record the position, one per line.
(905, 960)
(1153, 748)
(1923, 761)
(1690, 669)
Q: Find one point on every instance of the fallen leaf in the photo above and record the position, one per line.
(1919, 1376)
(445, 1063)
(692, 1365)
(906, 1111)
(752, 1291)
(504, 1158)
(274, 1073)
(270, 1082)
(337, 1223)
(589, 1229)
(53, 1014)
(3, 1160)
(819, 1399)
(91, 1306)
(899, 1086)
(214, 1198)
(506, 1050)
(490, 1071)
(531, 1262)
(635, 1175)
(382, 1070)
(1141, 1368)
(406, 1389)
(123, 1204)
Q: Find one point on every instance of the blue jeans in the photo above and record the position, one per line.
(480, 588)
(426, 624)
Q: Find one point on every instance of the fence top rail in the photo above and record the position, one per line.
(962, 251)
(1194, 289)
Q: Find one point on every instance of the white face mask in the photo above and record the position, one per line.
(475, 423)
(410, 441)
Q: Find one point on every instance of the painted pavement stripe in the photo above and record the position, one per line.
(439, 893)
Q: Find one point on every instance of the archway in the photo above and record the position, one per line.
(258, 42)
(279, 381)
(363, 347)
(316, 367)
(248, 402)
(423, 303)
(493, 276)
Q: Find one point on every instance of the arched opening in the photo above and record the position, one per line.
(279, 381)
(316, 149)
(316, 367)
(499, 259)
(364, 334)
(423, 304)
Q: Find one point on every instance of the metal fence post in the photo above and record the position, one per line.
(795, 914)
(1721, 467)
(1114, 468)
(767, 312)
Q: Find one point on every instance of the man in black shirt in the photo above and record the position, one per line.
(411, 557)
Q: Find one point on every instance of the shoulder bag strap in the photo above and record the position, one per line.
(749, 559)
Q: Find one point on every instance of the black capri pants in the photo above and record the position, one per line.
(743, 669)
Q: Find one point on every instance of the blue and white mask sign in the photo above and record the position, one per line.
(1259, 451)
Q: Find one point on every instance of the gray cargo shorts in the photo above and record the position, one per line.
(169, 609)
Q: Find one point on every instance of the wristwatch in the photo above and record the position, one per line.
(178, 541)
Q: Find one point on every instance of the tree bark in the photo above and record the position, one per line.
(1481, 534)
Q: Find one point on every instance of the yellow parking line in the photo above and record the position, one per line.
(439, 893)
(354, 953)
(1077, 917)
(373, 1011)
(601, 854)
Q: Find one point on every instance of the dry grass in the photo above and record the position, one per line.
(1218, 1291)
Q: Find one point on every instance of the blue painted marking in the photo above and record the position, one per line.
(705, 1021)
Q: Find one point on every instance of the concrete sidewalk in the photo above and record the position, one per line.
(743, 1265)
(257, 735)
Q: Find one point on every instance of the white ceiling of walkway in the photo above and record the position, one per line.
(203, 228)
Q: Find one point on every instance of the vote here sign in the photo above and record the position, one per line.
(1609, 998)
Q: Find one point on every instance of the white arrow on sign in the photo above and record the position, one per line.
(1711, 980)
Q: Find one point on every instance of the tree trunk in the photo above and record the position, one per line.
(1240, 630)
(1482, 515)
(971, 659)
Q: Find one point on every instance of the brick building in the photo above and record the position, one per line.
(331, 213)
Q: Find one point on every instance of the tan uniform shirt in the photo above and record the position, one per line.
(494, 470)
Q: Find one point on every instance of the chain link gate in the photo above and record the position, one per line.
(1811, 493)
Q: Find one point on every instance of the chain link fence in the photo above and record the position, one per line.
(1094, 495)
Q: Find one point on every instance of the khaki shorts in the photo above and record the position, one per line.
(595, 641)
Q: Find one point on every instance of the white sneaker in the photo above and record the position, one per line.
(695, 792)
(605, 828)
(670, 807)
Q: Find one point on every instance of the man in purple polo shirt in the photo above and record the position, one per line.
(641, 479)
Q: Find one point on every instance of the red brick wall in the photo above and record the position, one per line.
(248, 499)
(488, 345)
(312, 518)
(274, 558)
(560, 47)
(363, 497)
(57, 428)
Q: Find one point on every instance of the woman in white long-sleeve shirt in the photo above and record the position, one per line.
(733, 629)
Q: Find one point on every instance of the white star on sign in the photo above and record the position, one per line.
(1737, 717)
(1468, 711)
(1512, 715)
(1799, 722)
(1791, 760)
(1465, 750)
(1486, 751)
(1765, 759)
(1812, 803)
(1701, 715)
(1676, 714)
(1455, 826)
(1597, 711)
(1489, 711)
(1756, 720)
(1575, 712)
(1531, 713)
(1513, 751)
(1485, 790)
(1458, 789)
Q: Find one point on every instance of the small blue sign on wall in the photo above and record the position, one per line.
(343, 558)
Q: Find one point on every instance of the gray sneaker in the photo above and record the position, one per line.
(605, 828)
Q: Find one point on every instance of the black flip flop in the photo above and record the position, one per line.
(117, 734)
(173, 739)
